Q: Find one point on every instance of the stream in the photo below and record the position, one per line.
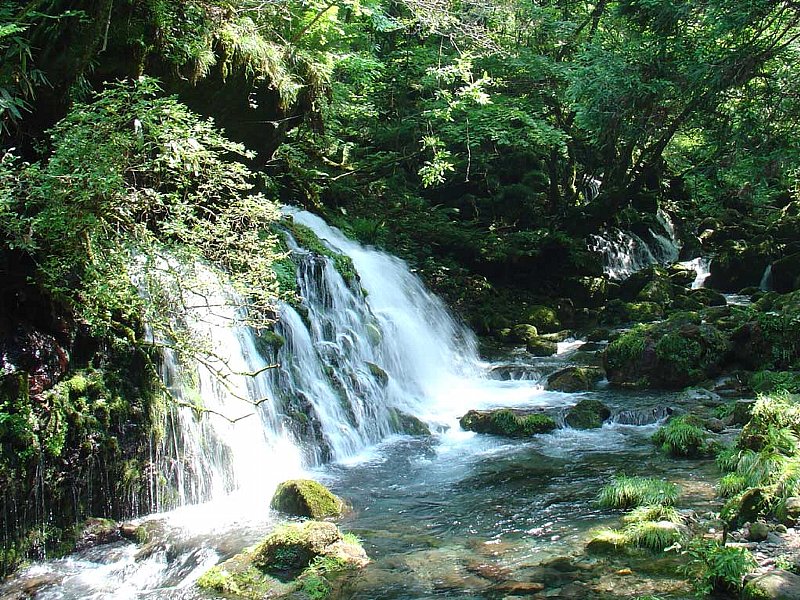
(449, 515)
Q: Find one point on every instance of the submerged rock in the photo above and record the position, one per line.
(306, 498)
(405, 423)
(507, 422)
(587, 414)
(575, 379)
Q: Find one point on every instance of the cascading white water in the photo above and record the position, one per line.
(624, 252)
(766, 279)
(702, 267)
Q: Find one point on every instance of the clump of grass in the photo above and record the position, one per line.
(654, 512)
(654, 535)
(683, 437)
(630, 492)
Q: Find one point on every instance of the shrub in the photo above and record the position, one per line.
(714, 567)
(629, 492)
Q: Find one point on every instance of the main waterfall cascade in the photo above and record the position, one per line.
(356, 358)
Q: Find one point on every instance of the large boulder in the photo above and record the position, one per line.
(738, 265)
(631, 287)
(672, 354)
(507, 422)
(286, 562)
(786, 274)
(773, 585)
(543, 318)
(290, 548)
(587, 414)
(306, 498)
(540, 346)
(575, 379)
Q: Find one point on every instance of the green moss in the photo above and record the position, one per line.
(626, 348)
(309, 240)
(249, 583)
(306, 498)
(543, 318)
(587, 414)
(507, 423)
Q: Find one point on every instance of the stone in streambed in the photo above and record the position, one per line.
(507, 422)
(307, 498)
(587, 414)
(773, 585)
(540, 346)
(575, 379)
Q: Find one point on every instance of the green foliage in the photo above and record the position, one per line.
(133, 178)
(630, 492)
(653, 512)
(713, 567)
(682, 437)
(307, 239)
(627, 347)
(774, 381)
(657, 536)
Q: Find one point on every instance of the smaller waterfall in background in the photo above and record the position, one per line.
(625, 252)
(700, 265)
(766, 279)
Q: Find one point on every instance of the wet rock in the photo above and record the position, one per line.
(96, 532)
(523, 333)
(306, 498)
(587, 414)
(792, 510)
(540, 346)
(773, 585)
(757, 532)
(708, 297)
(575, 379)
(737, 265)
(507, 422)
(607, 541)
(714, 425)
(378, 373)
(519, 588)
(786, 274)
(38, 354)
(409, 424)
(490, 571)
(290, 548)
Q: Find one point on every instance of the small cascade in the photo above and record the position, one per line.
(591, 188)
(766, 279)
(625, 252)
(700, 265)
(640, 417)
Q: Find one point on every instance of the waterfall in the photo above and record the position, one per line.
(351, 357)
(625, 252)
(766, 279)
(702, 267)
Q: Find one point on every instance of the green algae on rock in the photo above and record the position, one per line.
(306, 498)
(507, 422)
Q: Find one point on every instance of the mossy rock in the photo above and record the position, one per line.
(631, 287)
(681, 275)
(297, 560)
(659, 291)
(575, 379)
(708, 297)
(618, 312)
(747, 507)
(409, 424)
(96, 532)
(739, 264)
(378, 373)
(587, 414)
(606, 541)
(543, 318)
(523, 333)
(786, 273)
(672, 355)
(507, 422)
(773, 585)
(290, 548)
(540, 346)
(306, 498)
